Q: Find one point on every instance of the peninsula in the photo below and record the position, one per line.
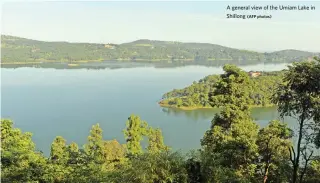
(201, 94)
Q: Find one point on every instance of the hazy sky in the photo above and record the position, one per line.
(119, 22)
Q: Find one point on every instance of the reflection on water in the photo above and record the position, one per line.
(196, 115)
(262, 115)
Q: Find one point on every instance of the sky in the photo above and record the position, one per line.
(185, 21)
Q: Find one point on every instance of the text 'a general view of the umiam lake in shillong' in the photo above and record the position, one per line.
(266, 8)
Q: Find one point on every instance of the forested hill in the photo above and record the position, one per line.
(21, 50)
(201, 94)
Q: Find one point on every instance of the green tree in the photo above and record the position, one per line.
(58, 170)
(95, 155)
(114, 153)
(73, 153)
(134, 132)
(81, 166)
(155, 141)
(299, 97)
(273, 141)
(231, 140)
(178, 102)
(59, 154)
(19, 160)
(94, 147)
(76, 162)
(193, 167)
(164, 167)
(313, 174)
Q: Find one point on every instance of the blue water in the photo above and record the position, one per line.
(51, 102)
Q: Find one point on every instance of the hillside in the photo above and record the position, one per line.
(21, 50)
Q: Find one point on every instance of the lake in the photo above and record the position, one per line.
(67, 102)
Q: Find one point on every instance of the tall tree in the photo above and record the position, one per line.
(19, 160)
(231, 140)
(313, 174)
(76, 163)
(298, 96)
(95, 145)
(273, 142)
(58, 170)
(59, 154)
(134, 132)
(95, 155)
(155, 141)
(73, 153)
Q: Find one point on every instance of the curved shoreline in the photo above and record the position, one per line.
(184, 108)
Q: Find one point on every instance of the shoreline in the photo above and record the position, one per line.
(163, 61)
(49, 62)
(185, 108)
(87, 61)
(200, 107)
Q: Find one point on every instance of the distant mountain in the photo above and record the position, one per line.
(22, 50)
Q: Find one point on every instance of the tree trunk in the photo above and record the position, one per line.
(266, 172)
(305, 166)
(296, 162)
(295, 173)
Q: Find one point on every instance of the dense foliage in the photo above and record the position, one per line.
(15, 49)
(233, 150)
(298, 96)
(201, 94)
(231, 140)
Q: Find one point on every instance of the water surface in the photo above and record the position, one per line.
(51, 102)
